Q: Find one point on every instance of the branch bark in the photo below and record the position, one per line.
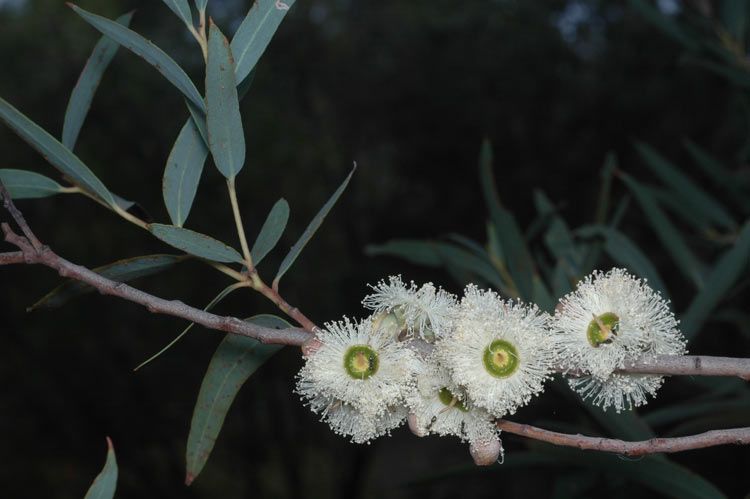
(732, 436)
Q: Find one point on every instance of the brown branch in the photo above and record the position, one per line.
(11, 258)
(735, 436)
(681, 365)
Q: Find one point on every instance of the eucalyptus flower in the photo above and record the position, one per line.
(347, 421)
(426, 310)
(612, 318)
(358, 366)
(500, 352)
(440, 407)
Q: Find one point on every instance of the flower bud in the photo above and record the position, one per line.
(486, 453)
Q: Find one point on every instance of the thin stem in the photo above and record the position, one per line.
(736, 436)
(130, 217)
(228, 271)
(280, 302)
(238, 223)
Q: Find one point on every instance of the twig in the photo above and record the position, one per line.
(36, 253)
(735, 436)
(11, 258)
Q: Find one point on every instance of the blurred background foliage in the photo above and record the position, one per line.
(650, 99)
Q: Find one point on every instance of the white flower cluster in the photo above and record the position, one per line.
(451, 367)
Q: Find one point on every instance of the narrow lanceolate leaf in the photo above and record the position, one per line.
(234, 361)
(88, 82)
(195, 243)
(183, 172)
(667, 233)
(686, 189)
(624, 251)
(519, 261)
(225, 135)
(120, 271)
(311, 229)
(105, 482)
(146, 50)
(23, 184)
(54, 152)
(217, 299)
(271, 231)
(730, 268)
(255, 32)
(411, 250)
(182, 9)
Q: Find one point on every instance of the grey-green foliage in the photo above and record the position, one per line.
(564, 251)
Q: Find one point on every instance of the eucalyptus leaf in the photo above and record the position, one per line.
(88, 82)
(666, 232)
(216, 300)
(195, 243)
(23, 184)
(271, 231)
(411, 250)
(181, 8)
(183, 172)
(146, 50)
(226, 137)
(234, 361)
(105, 482)
(690, 194)
(624, 251)
(730, 267)
(310, 230)
(125, 270)
(255, 33)
(519, 261)
(54, 152)
(201, 5)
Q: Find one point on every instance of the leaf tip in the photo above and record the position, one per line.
(189, 477)
(110, 446)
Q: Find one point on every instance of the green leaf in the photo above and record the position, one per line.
(660, 475)
(687, 190)
(23, 184)
(195, 243)
(734, 16)
(54, 152)
(271, 231)
(519, 261)
(667, 233)
(225, 135)
(557, 237)
(605, 191)
(120, 271)
(255, 33)
(105, 482)
(730, 267)
(411, 250)
(666, 24)
(690, 410)
(183, 172)
(217, 299)
(234, 361)
(464, 260)
(88, 82)
(201, 5)
(182, 10)
(720, 175)
(146, 50)
(624, 251)
(310, 230)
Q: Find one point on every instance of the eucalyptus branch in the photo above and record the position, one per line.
(732, 436)
(11, 258)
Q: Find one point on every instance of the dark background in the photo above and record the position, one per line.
(407, 90)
